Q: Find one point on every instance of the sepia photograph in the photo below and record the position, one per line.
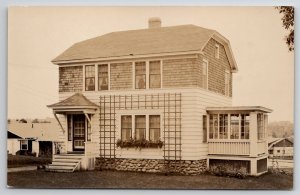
(150, 97)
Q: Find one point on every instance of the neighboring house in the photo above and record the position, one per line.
(35, 137)
(155, 100)
(13, 143)
(281, 147)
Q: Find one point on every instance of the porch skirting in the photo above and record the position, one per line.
(185, 167)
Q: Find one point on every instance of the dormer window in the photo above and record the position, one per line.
(217, 51)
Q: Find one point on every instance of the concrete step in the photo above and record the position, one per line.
(65, 162)
(57, 163)
(61, 167)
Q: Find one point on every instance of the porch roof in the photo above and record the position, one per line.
(76, 102)
(239, 108)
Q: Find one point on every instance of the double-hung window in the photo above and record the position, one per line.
(140, 127)
(140, 75)
(154, 127)
(103, 77)
(213, 126)
(126, 127)
(90, 78)
(154, 74)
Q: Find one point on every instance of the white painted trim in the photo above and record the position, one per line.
(227, 89)
(204, 60)
(217, 50)
(129, 57)
(161, 74)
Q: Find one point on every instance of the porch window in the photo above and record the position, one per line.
(126, 127)
(24, 144)
(154, 127)
(204, 124)
(260, 127)
(204, 74)
(234, 126)
(154, 74)
(223, 126)
(140, 75)
(70, 127)
(227, 83)
(213, 126)
(245, 126)
(90, 78)
(140, 127)
(103, 77)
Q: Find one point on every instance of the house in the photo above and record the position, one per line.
(155, 100)
(281, 147)
(35, 138)
(13, 143)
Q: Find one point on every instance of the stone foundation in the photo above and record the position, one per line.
(185, 167)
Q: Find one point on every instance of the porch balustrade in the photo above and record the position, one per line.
(231, 147)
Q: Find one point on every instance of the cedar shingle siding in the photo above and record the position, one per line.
(70, 79)
(121, 76)
(181, 73)
(217, 67)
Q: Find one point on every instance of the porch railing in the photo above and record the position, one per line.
(229, 147)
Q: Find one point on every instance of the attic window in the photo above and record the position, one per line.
(217, 51)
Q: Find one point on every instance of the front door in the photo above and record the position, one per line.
(78, 132)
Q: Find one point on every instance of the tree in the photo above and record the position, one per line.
(288, 23)
(22, 121)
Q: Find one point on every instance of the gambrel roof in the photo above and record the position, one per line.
(153, 41)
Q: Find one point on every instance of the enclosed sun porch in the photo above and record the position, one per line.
(237, 131)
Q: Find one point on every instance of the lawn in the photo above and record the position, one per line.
(20, 160)
(115, 179)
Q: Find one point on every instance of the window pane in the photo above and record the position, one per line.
(140, 68)
(140, 127)
(260, 126)
(140, 81)
(154, 121)
(155, 81)
(126, 127)
(154, 127)
(90, 78)
(213, 126)
(154, 67)
(245, 126)
(223, 125)
(234, 126)
(103, 77)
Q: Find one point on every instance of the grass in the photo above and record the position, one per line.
(132, 180)
(20, 160)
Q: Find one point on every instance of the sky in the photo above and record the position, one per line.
(36, 35)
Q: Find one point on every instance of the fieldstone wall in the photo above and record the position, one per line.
(186, 167)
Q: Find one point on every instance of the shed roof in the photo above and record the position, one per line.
(240, 108)
(162, 40)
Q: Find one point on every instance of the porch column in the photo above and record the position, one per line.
(253, 134)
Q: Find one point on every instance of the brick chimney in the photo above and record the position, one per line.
(154, 22)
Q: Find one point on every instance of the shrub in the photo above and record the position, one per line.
(132, 143)
(225, 170)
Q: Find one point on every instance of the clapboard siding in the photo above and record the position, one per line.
(193, 107)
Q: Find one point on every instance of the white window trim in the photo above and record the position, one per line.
(217, 51)
(96, 66)
(227, 88)
(96, 74)
(207, 64)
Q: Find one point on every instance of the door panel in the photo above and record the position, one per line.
(78, 132)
